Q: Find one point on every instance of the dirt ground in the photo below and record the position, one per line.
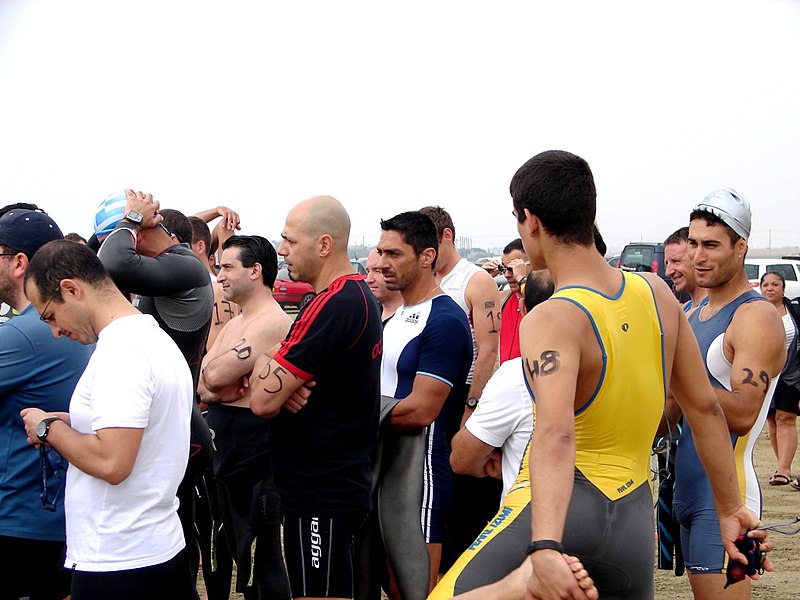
(781, 503)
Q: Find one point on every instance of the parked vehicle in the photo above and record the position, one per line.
(644, 257)
(788, 266)
(360, 265)
(291, 293)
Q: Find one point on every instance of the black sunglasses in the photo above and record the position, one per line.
(50, 463)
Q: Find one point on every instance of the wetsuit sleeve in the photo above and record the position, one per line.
(331, 323)
(163, 275)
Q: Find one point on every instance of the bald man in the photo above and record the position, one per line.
(321, 443)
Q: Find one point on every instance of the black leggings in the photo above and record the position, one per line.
(168, 581)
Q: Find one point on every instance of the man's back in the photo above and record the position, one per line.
(39, 370)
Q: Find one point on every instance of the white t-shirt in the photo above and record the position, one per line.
(504, 418)
(137, 378)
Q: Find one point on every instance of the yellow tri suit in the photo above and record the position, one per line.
(609, 523)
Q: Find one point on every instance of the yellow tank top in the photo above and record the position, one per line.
(614, 430)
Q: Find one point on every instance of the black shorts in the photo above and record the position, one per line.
(785, 398)
(171, 580)
(319, 554)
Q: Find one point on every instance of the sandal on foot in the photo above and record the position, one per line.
(795, 483)
(779, 479)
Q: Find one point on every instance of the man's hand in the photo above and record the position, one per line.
(144, 205)
(492, 267)
(519, 268)
(31, 417)
(553, 578)
(299, 397)
(230, 218)
(494, 466)
(733, 525)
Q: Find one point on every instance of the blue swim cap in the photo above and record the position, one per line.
(109, 213)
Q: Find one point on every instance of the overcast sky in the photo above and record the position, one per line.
(393, 106)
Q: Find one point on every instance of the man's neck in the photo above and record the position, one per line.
(390, 306)
(697, 295)
(424, 288)
(109, 309)
(721, 295)
(446, 260)
(330, 272)
(256, 302)
(582, 266)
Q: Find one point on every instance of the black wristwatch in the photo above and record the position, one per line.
(43, 428)
(471, 402)
(134, 217)
(537, 545)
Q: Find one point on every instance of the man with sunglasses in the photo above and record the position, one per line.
(36, 369)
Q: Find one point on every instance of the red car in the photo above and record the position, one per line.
(291, 293)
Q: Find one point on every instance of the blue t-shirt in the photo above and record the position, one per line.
(36, 370)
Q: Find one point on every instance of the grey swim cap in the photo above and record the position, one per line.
(729, 206)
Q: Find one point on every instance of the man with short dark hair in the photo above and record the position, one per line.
(321, 448)
(427, 353)
(582, 352)
(743, 345)
(515, 265)
(242, 466)
(35, 370)
(126, 435)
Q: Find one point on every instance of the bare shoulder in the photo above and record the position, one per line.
(482, 286)
(556, 317)
(757, 317)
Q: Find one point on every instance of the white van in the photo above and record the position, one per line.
(788, 266)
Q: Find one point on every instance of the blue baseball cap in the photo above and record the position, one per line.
(28, 230)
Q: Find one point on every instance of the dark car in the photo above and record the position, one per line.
(291, 293)
(644, 257)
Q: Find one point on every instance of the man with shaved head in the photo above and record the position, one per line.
(321, 442)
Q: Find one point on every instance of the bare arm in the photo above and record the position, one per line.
(421, 407)
(756, 339)
(108, 454)
(483, 298)
(230, 218)
(470, 456)
(551, 358)
(271, 386)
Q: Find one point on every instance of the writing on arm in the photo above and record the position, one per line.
(272, 385)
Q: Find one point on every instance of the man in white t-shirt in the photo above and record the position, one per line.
(126, 435)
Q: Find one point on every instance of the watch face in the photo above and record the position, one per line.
(134, 216)
(41, 429)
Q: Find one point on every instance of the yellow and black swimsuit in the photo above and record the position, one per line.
(609, 523)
